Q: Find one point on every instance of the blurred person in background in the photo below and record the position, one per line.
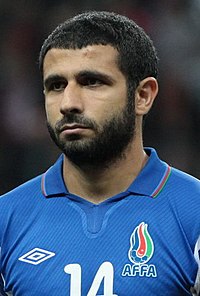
(109, 217)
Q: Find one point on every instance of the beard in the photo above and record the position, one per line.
(106, 147)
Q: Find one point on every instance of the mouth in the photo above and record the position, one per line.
(74, 128)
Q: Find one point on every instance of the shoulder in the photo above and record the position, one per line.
(21, 193)
(183, 192)
(19, 203)
(184, 183)
(32, 193)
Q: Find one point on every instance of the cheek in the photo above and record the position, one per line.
(52, 111)
(48, 111)
(114, 108)
(104, 106)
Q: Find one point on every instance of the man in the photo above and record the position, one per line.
(109, 217)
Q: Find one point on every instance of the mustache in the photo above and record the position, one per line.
(72, 118)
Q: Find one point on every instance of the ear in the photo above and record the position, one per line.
(145, 95)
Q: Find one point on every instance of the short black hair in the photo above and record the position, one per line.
(137, 55)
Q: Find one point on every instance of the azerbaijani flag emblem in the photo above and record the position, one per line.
(141, 245)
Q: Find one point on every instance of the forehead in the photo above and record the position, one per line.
(92, 57)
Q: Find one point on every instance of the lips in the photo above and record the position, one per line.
(72, 127)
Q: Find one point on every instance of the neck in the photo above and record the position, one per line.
(98, 184)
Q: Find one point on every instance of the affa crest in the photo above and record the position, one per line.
(140, 252)
(141, 245)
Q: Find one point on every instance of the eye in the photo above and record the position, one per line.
(93, 81)
(90, 81)
(57, 86)
(51, 85)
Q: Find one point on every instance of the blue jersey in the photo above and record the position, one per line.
(144, 241)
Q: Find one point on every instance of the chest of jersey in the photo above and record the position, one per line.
(128, 248)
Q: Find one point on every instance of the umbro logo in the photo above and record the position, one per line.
(36, 256)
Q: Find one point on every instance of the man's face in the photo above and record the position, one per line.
(88, 113)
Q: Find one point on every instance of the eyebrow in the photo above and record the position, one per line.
(95, 74)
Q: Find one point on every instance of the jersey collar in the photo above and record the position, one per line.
(149, 182)
(153, 177)
(52, 181)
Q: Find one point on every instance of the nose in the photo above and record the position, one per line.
(72, 99)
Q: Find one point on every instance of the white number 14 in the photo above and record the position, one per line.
(105, 272)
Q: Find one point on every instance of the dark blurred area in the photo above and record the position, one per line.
(173, 126)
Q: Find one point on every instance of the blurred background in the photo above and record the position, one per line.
(173, 126)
